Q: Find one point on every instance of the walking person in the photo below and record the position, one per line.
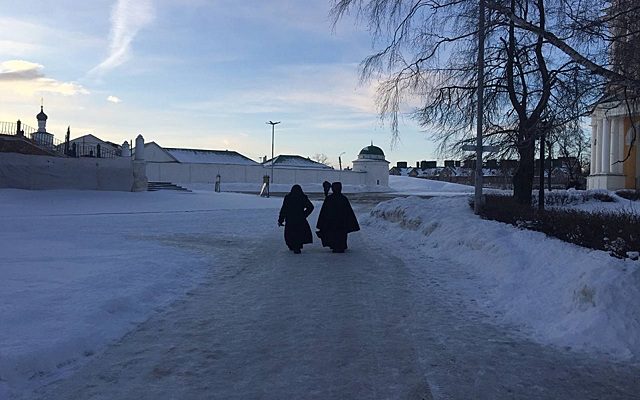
(336, 220)
(325, 187)
(296, 207)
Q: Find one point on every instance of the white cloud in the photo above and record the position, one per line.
(26, 78)
(114, 99)
(128, 17)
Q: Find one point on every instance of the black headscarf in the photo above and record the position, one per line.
(296, 190)
(336, 187)
(326, 186)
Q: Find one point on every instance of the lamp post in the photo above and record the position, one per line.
(273, 128)
(340, 160)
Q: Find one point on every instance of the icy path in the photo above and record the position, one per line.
(269, 324)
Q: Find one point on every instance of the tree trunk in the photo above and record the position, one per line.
(541, 188)
(523, 178)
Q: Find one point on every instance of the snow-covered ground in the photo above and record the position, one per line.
(81, 269)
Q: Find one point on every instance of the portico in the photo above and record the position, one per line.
(612, 134)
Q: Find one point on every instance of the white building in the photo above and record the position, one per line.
(191, 166)
(372, 162)
(612, 139)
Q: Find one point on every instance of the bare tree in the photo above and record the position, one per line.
(321, 158)
(428, 57)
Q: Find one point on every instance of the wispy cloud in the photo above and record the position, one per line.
(114, 99)
(26, 78)
(128, 17)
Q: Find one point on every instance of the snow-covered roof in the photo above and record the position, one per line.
(92, 139)
(403, 171)
(198, 156)
(294, 161)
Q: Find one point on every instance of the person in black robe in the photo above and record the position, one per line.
(336, 220)
(296, 207)
(325, 187)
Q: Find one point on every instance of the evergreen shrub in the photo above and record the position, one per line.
(615, 232)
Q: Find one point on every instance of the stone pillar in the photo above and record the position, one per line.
(126, 150)
(620, 166)
(594, 137)
(139, 148)
(140, 181)
(599, 147)
(606, 146)
(615, 140)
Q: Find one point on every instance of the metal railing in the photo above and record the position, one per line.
(49, 142)
(87, 150)
(11, 128)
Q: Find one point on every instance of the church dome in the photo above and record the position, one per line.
(41, 116)
(371, 152)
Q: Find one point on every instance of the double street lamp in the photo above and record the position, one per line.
(273, 126)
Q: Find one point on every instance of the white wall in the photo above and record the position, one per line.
(153, 152)
(377, 171)
(23, 171)
(206, 173)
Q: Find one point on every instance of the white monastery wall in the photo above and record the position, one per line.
(206, 173)
(21, 171)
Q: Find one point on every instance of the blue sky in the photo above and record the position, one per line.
(197, 74)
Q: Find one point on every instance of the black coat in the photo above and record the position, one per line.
(335, 221)
(294, 212)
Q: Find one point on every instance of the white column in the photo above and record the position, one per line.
(613, 151)
(139, 148)
(599, 146)
(594, 137)
(606, 146)
(615, 140)
(620, 166)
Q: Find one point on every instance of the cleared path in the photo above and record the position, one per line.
(269, 324)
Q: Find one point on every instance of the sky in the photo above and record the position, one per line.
(198, 74)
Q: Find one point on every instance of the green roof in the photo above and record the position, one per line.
(374, 150)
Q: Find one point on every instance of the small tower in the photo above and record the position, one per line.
(42, 120)
(42, 137)
(371, 160)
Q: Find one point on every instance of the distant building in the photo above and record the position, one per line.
(91, 146)
(289, 161)
(371, 161)
(189, 166)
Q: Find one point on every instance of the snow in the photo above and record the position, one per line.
(209, 156)
(81, 269)
(289, 161)
(279, 187)
(418, 186)
(563, 294)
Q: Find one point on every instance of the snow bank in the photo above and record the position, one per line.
(561, 293)
(418, 186)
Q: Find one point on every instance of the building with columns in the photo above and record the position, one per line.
(615, 122)
(612, 140)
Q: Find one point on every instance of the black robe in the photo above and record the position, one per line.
(335, 221)
(294, 212)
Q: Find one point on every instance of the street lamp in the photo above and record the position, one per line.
(340, 160)
(273, 127)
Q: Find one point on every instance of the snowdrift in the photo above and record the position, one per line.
(560, 293)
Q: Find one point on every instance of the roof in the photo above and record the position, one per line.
(199, 156)
(373, 150)
(41, 115)
(285, 160)
(92, 138)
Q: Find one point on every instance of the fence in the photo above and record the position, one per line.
(49, 142)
